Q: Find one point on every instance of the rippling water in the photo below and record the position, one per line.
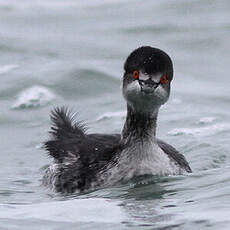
(72, 53)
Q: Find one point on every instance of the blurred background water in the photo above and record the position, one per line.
(71, 53)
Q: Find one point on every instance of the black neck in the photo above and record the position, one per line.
(139, 125)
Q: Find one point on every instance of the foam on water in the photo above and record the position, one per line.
(34, 96)
(7, 68)
(201, 131)
(108, 115)
(207, 120)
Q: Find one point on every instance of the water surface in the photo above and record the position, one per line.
(72, 53)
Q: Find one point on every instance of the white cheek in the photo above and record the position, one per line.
(161, 92)
(133, 88)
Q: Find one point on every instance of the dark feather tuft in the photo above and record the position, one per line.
(64, 129)
(64, 123)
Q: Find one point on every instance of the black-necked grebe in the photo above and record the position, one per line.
(84, 161)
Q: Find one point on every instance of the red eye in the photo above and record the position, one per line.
(163, 79)
(135, 74)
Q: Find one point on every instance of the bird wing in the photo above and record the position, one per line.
(174, 155)
(69, 140)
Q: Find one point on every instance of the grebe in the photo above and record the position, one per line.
(83, 161)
